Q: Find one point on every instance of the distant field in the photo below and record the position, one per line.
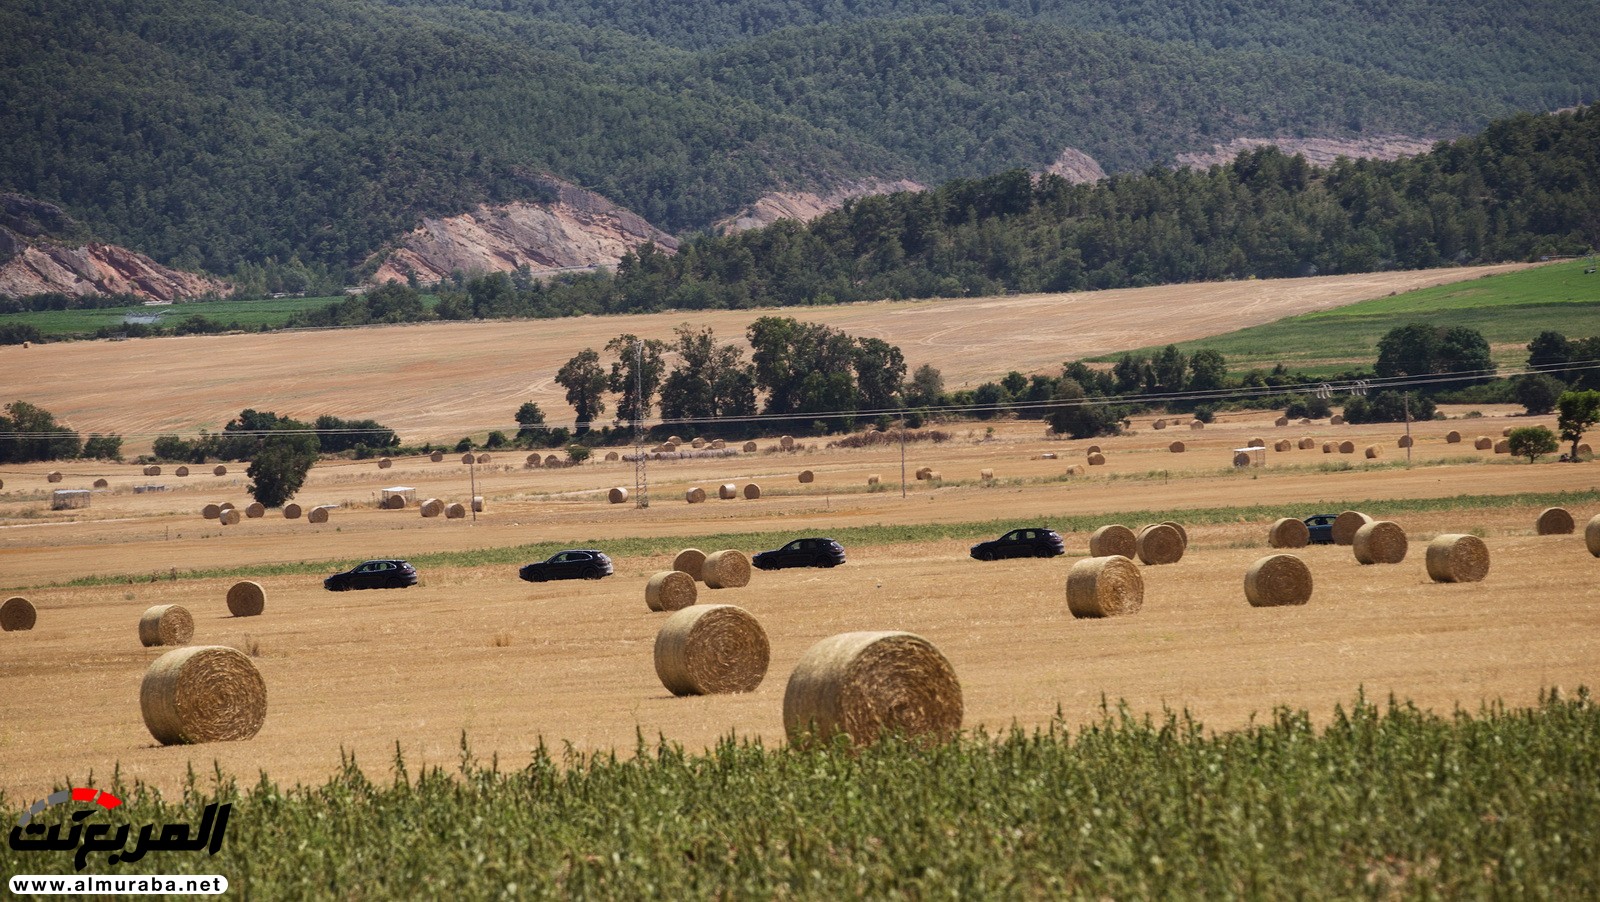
(265, 312)
(1509, 309)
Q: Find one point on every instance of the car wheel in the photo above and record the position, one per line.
(1041, 552)
(986, 555)
(591, 573)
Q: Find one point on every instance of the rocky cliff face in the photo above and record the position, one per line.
(578, 231)
(1317, 151)
(805, 205)
(42, 251)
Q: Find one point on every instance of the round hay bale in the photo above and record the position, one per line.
(1305, 421)
(55, 476)
(226, 505)
(1281, 422)
(786, 442)
(1282, 444)
(752, 492)
(246, 599)
(697, 443)
(1337, 420)
(695, 495)
(432, 507)
(1373, 451)
(394, 503)
(477, 504)
(98, 483)
(935, 476)
(1506, 432)
(468, 458)
(291, 511)
(206, 693)
(152, 471)
(1182, 533)
(1176, 447)
(1288, 532)
(1483, 443)
(1405, 441)
(670, 590)
(228, 517)
(749, 447)
(385, 464)
(255, 510)
(1097, 459)
(181, 471)
(924, 472)
(551, 460)
(437, 457)
(711, 648)
(727, 491)
(726, 570)
(219, 470)
(1278, 579)
(455, 511)
(1256, 443)
(1308, 444)
(874, 479)
(1584, 451)
(691, 561)
(166, 624)
(1241, 459)
(1502, 447)
(483, 458)
(1196, 425)
(612, 457)
(1113, 539)
(1160, 544)
(1347, 447)
(986, 475)
(1380, 542)
(1092, 449)
(1075, 470)
(1455, 558)
(17, 614)
(1329, 447)
(807, 477)
(1591, 535)
(1554, 521)
(617, 495)
(211, 512)
(675, 439)
(1346, 524)
(1159, 424)
(1452, 437)
(868, 684)
(718, 444)
(1104, 586)
(317, 514)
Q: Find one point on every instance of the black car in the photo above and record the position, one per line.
(373, 575)
(582, 563)
(813, 552)
(1321, 527)
(1032, 541)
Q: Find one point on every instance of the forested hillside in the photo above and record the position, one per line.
(249, 133)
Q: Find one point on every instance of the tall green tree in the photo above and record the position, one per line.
(585, 381)
(1576, 412)
(530, 422)
(29, 433)
(636, 374)
(279, 467)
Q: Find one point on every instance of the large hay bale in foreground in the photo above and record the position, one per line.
(1097, 459)
(1555, 521)
(1452, 437)
(166, 624)
(807, 477)
(749, 447)
(1346, 524)
(17, 614)
(1380, 542)
(691, 561)
(869, 684)
(318, 514)
(206, 693)
(255, 510)
(228, 517)
(246, 599)
(1591, 535)
(1113, 538)
(728, 491)
(431, 507)
(291, 511)
(1347, 447)
(1104, 586)
(1454, 558)
(1177, 447)
(219, 470)
(1278, 579)
(1182, 533)
(695, 495)
(670, 590)
(181, 471)
(211, 511)
(617, 495)
(727, 569)
(752, 492)
(1483, 443)
(455, 511)
(1373, 451)
(1160, 544)
(1288, 532)
(711, 648)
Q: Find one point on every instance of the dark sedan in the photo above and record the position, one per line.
(373, 575)
(584, 563)
(1321, 528)
(813, 552)
(1033, 541)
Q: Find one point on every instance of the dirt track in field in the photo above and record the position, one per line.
(440, 381)
(475, 649)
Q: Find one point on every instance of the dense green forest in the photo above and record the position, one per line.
(231, 135)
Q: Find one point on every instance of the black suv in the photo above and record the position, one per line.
(813, 552)
(390, 574)
(1321, 528)
(1032, 541)
(583, 563)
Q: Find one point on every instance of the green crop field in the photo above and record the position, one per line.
(1508, 309)
(268, 312)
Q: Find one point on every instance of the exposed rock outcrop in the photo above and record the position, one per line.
(38, 255)
(1317, 151)
(805, 205)
(1076, 167)
(578, 231)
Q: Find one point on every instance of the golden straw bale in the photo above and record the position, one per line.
(1160, 544)
(1502, 447)
(98, 483)
(711, 648)
(211, 512)
(670, 590)
(752, 492)
(385, 464)
(1308, 443)
(1337, 420)
(749, 447)
(1346, 524)
(1373, 451)
(924, 472)
(1452, 437)
(612, 456)
(393, 502)
(432, 507)
(1159, 424)
(727, 569)
(455, 511)
(617, 495)
(255, 510)
(17, 614)
(1197, 424)
(1305, 421)
(786, 443)
(318, 514)
(1075, 470)
(291, 511)
(1506, 432)
(1483, 443)
(1282, 444)
(1453, 558)
(1281, 421)
(204, 693)
(1092, 449)
(166, 624)
(1278, 579)
(226, 505)
(874, 479)
(1584, 451)
(695, 495)
(1288, 532)
(669, 447)
(986, 475)
(1347, 447)
(436, 457)
(551, 460)
(1104, 586)
(1113, 539)
(1380, 542)
(1329, 447)
(1405, 441)
(1241, 459)
(697, 443)
(866, 685)
(691, 561)
(1591, 535)
(1097, 459)
(1256, 443)
(935, 476)
(728, 491)
(152, 471)
(807, 477)
(55, 476)
(181, 471)
(219, 470)
(1555, 521)
(1176, 447)
(246, 599)
(1182, 533)
(228, 517)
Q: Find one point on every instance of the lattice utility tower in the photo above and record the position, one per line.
(641, 474)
